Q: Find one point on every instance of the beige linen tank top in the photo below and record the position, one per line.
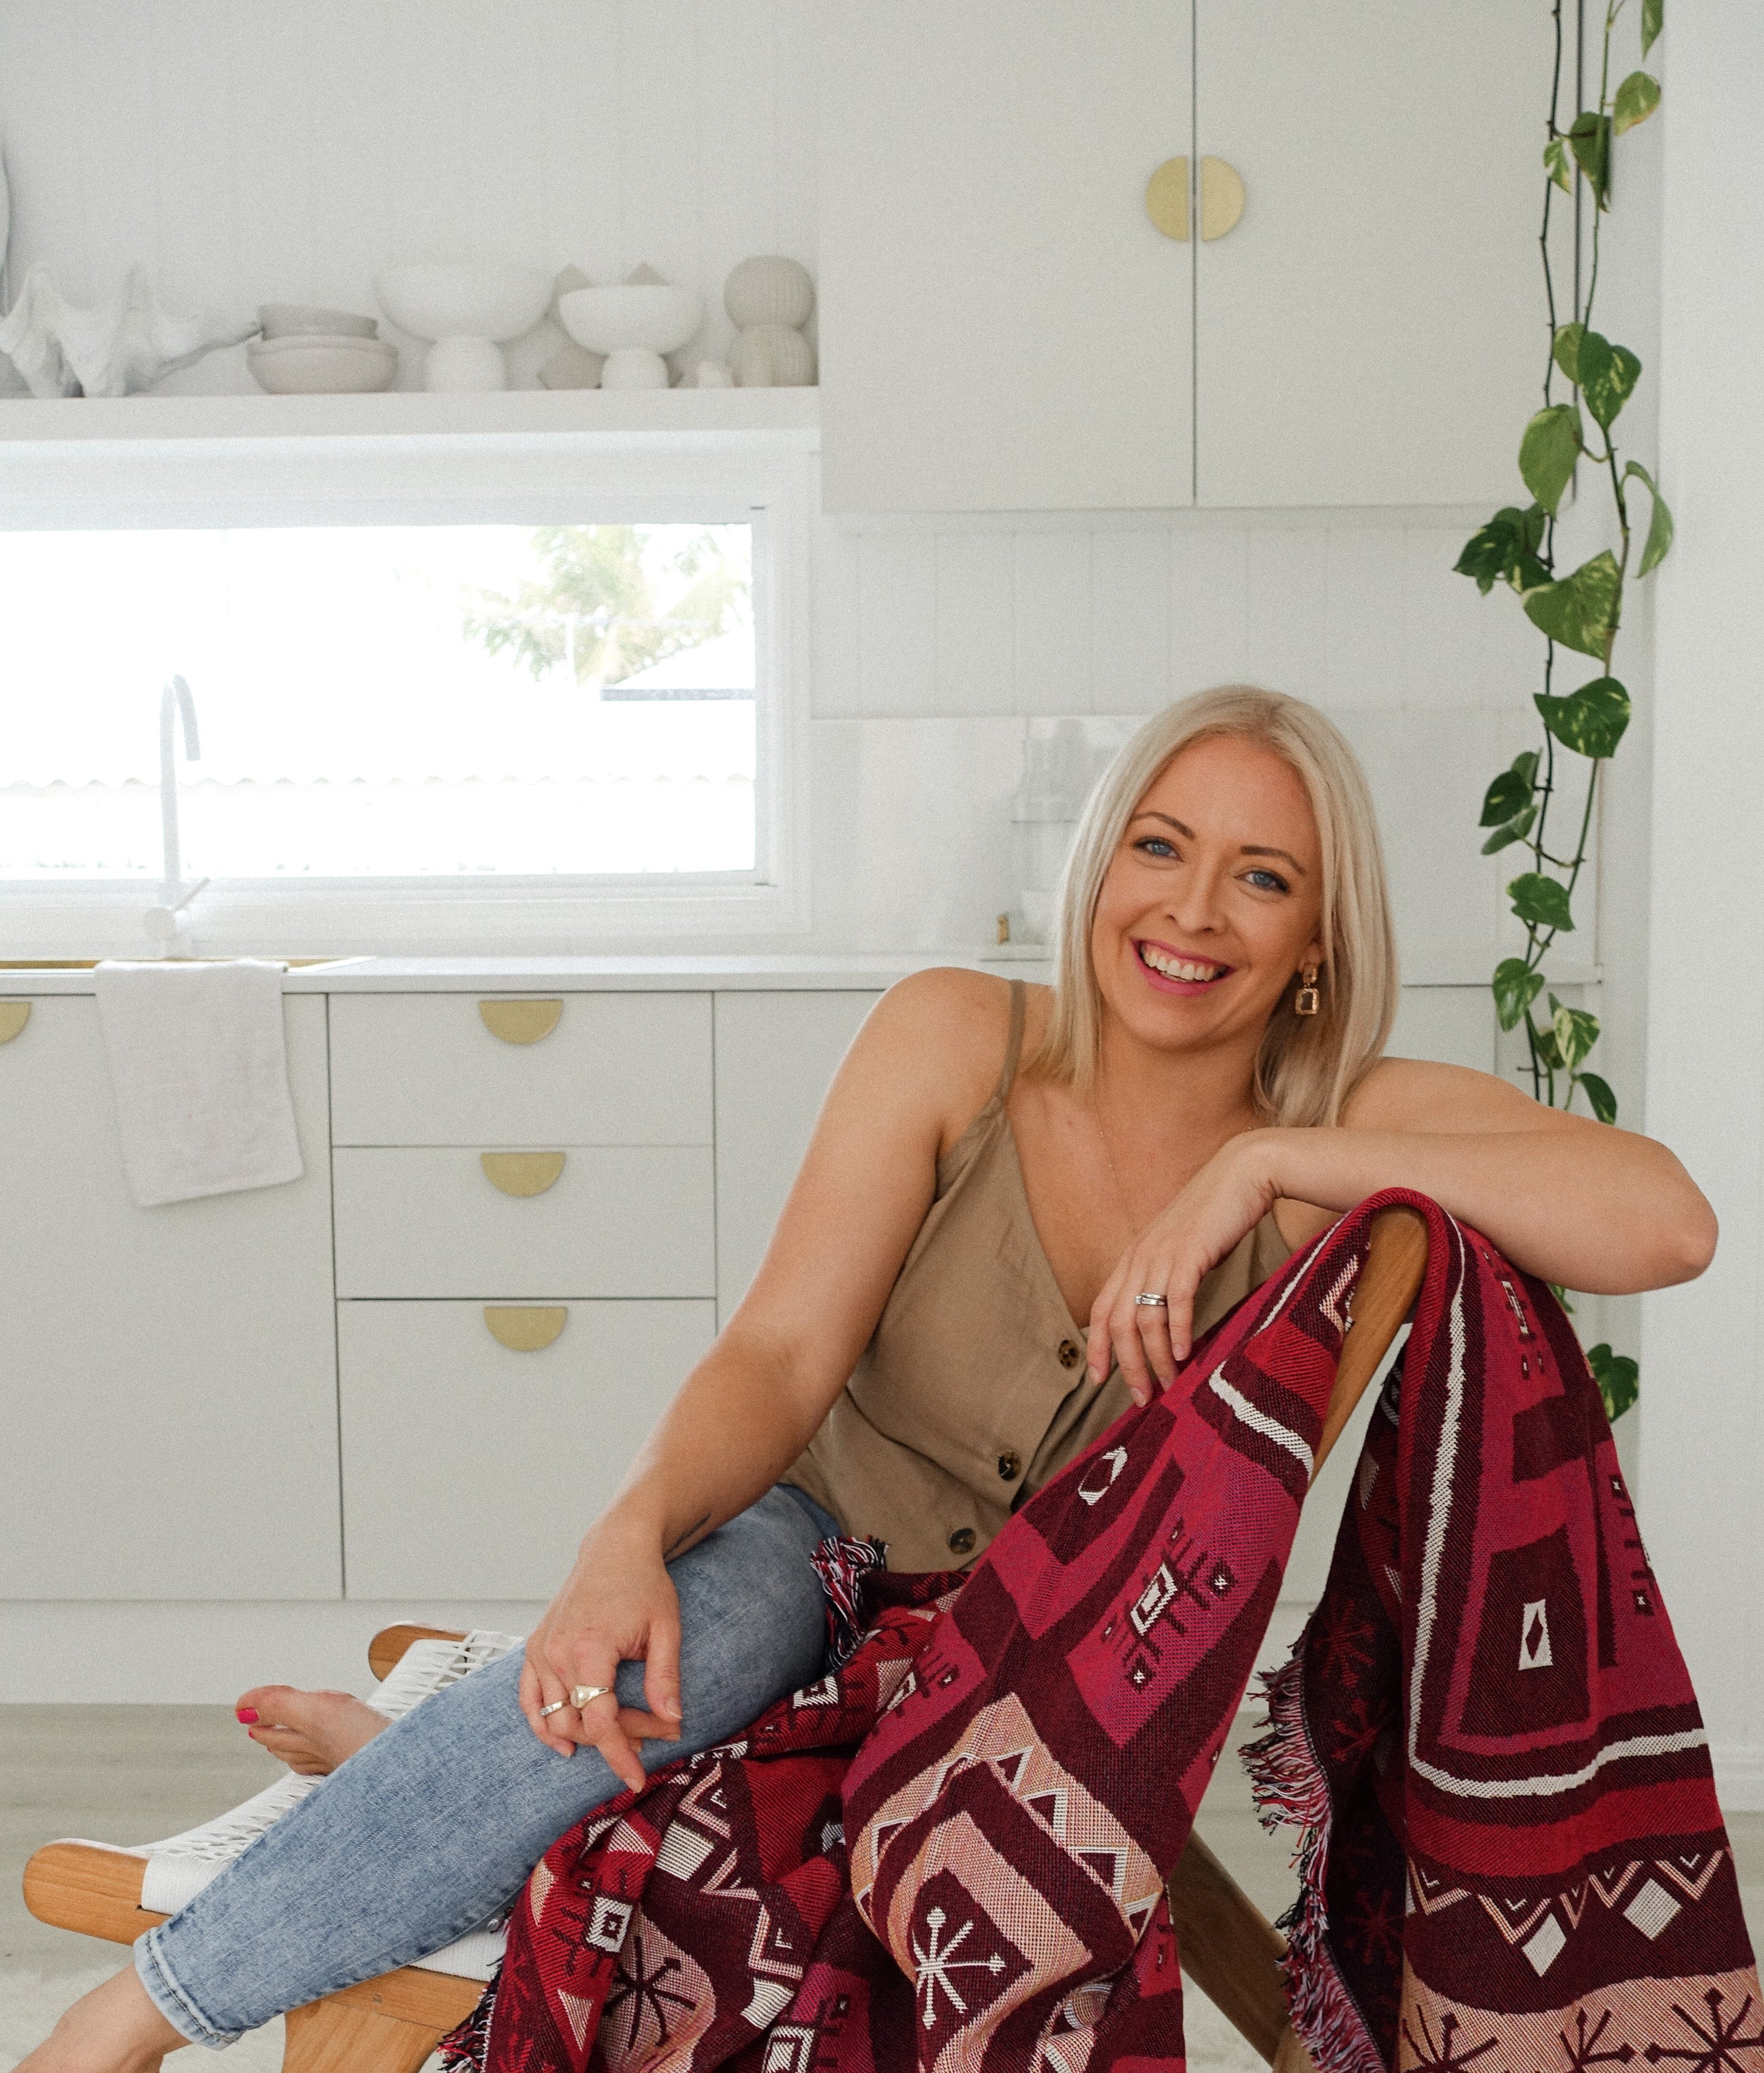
(973, 1391)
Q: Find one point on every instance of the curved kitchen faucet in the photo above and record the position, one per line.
(171, 918)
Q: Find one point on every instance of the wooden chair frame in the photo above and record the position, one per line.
(390, 2025)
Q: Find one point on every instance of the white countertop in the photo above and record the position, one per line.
(856, 972)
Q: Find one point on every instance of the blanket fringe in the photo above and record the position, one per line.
(467, 2049)
(1287, 1785)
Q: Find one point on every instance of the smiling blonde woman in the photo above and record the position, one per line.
(1019, 1205)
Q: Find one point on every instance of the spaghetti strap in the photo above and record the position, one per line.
(1013, 1043)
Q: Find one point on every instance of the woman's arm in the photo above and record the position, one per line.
(1570, 1200)
(923, 1062)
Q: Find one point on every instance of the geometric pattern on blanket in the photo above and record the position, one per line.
(1510, 1849)
(1511, 1855)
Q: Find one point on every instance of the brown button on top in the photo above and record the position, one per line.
(1070, 1353)
(962, 1540)
(1010, 1467)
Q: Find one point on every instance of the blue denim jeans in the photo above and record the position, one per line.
(432, 1827)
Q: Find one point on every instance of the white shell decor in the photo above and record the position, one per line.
(571, 366)
(115, 349)
(769, 300)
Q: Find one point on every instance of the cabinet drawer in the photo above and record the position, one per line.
(617, 1069)
(618, 1221)
(471, 1471)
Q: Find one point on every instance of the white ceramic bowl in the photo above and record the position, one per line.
(463, 298)
(303, 320)
(616, 319)
(322, 366)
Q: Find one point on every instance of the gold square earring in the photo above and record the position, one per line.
(1306, 1001)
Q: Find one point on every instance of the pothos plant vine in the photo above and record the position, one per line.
(1578, 613)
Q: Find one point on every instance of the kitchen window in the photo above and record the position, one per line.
(454, 694)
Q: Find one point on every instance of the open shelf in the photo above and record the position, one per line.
(655, 417)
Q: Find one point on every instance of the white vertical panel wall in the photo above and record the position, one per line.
(252, 154)
(1701, 1357)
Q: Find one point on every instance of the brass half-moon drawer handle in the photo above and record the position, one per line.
(1222, 198)
(520, 1021)
(521, 1172)
(525, 1328)
(14, 1015)
(1167, 198)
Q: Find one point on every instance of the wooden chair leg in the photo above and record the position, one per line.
(1229, 1948)
(385, 2026)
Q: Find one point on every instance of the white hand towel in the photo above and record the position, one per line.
(201, 1070)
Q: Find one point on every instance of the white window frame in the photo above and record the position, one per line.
(761, 479)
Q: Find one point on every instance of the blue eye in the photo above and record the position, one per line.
(1271, 880)
(1155, 844)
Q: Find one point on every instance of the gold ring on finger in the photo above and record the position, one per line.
(581, 1695)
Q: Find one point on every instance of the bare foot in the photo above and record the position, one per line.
(115, 2029)
(311, 1732)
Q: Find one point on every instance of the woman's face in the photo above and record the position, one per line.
(1214, 899)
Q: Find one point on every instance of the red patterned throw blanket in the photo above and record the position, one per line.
(950, 1853)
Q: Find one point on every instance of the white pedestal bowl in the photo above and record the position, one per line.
(470, 309)
(634, 324)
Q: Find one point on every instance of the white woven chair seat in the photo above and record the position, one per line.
(180, 1866)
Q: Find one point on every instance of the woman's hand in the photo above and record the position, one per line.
(618, 1605)
(1230, 1195)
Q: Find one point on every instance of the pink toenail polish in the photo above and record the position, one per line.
(248, 1715)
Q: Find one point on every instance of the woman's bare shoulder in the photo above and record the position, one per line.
(948, 1028)
(1422, 1095)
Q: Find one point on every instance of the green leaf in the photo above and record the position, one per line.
(1576, 1031)
(1543, 1043)
(1509, 792)
(1541, 902)
(1599, 1095)
(1565, 349)
(1653, 21)
(1514, 986)
(1589, 139)
(1591, 721)
(1607, 375)
(1659, 528)
(1505, 550)
(1562, 1296)
(1618, 1379)
(1556, 165)
(1551, 445)
(1516, 829)
(1582, 610)
(1637, 99)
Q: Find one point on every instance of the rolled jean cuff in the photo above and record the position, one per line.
(172, 2002)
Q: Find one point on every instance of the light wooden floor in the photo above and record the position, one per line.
(133, 1773)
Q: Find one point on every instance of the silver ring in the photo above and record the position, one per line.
(556, 1706)
(582, 1695)
(1151, 1301)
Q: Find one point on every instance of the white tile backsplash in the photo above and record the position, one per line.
(897, 624)
(1208, 605)
(1130, 622)
(976, 624)
(1051, 575)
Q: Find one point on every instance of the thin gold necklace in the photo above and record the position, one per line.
(1114, 1172)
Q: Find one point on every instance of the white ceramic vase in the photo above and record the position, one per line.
(634, 324)
(470, 309)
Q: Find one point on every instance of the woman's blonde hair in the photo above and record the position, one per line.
(1308, 1065)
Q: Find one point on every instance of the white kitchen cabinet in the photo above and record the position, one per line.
(167, 1376)
(776, 1056)
(426, 1069)
(1371, 331)
(1001, 326)
(618, 1221)
(472, 1471)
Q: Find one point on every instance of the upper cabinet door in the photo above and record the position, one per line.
(1372, 331)
(1002, 326)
